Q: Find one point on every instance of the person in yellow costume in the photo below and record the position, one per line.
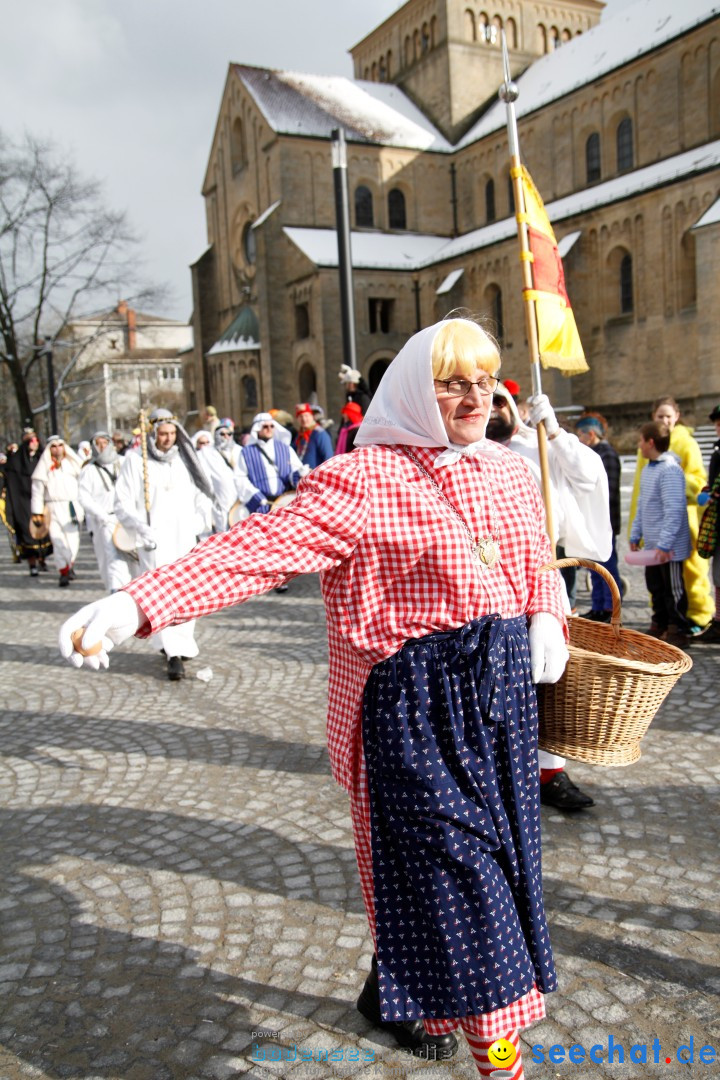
(695, 570)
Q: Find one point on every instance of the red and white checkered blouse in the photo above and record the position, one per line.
(395, 562)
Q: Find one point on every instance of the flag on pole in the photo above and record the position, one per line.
(558, 339)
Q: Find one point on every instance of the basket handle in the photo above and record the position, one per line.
(596, 568)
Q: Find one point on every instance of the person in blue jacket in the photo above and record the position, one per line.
(312, 443)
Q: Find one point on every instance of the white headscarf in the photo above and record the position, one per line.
(281, 433)
(404, 409)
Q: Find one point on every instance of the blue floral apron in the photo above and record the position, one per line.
(450, 741)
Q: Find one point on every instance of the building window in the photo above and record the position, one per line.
(592, 158)
(624, 139)
(470, 27)
(302, 321)
(397, 218)
(248, 243)
(494, 307)
(511, 195)
(250, 396)
(626, 285)
(490, 201)
(380, 314)
(169, 373)
(307, 382)
(363, 207)
(376, 373)
(238, 157)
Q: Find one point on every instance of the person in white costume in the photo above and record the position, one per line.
(581, 519)
(55, 486)
(221, 479)
(179, 497)
(96, 491)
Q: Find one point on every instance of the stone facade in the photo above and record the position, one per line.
(629, 159)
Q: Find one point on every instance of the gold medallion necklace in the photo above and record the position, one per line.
(484, 549)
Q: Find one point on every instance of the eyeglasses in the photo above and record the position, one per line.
(226, 434)
(462, 387)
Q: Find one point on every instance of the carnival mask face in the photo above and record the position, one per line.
(465, 418)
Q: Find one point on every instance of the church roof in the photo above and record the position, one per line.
(618, 39)
(412, 251)
(312, 105)
(241, 335)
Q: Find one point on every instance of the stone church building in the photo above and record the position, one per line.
(619, 125)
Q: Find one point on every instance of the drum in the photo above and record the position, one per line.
(282, 501)
(125, 541)
(237, 512)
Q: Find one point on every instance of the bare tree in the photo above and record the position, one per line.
(61, 250)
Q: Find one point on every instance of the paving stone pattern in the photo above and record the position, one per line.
(178, 869)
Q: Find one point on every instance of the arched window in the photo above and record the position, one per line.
(565, 36)
(624, 140)
(307, 381)
(408, 52)
(397, 218)
(687, 274)
(511, 195)
(425, 38)
(626, 285)
(363, 207)
(592, 158)
(249, 388)
(489, 201)
(470, 27)
(238, 157)
(388, 65)
(553, 39)
(248, 243)
(511, 33)
(302, 321)
(494, 308)
(376, 372)
(542, 38)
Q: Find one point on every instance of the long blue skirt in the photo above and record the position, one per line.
(450, 741)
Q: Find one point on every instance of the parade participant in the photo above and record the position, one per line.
(84, 451)
(270, 464)
(355, 387)
(55, 488)
(120, 443)
(18, 490)
(429, 540)
(312, 443)
(210, 419)
(221, 479)
(224, 442)
(96, 492)
(710, 500)
(661, 523)
(177, 493)
(665, 410)
(351, 420)
(579, 493)
(591, 430)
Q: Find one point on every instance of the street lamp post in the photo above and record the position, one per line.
(342, 215)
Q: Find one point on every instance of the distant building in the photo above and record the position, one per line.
(126, 360)
(619, 122)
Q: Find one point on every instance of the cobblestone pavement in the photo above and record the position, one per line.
(178, 870)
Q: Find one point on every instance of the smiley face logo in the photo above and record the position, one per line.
(502, 1053)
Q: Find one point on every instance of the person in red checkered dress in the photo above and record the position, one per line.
(429, 540)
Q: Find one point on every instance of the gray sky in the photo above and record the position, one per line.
(132, 91)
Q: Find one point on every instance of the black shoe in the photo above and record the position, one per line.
(34, 572)
(281, 588)
(410, 1034)
(64, 581)
(709, 635)
(175, 668)
(561, 793)
(597, 616)
(42, 565)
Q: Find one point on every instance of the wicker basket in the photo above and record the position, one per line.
(614, 683)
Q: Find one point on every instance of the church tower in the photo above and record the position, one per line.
(446, 54)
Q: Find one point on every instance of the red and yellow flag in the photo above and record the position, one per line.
(558, 339)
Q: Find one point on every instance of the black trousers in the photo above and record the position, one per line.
(667, 595)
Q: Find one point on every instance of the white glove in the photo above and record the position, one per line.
(147, 535)
(548, 651)
(541, 409)
(110, 621)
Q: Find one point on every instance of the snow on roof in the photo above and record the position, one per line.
(266, 214)
(312, 105)
(370, 250)
(446, 285)
(710, 217)
(618, 38)
(414, 251)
